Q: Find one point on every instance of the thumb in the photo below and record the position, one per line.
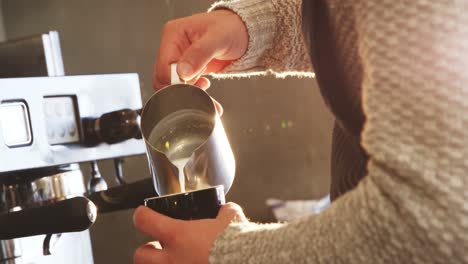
(197, 56)
(231, 213)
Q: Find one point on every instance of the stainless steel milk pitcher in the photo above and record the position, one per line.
(186, 144)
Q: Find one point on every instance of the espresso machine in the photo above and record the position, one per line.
(50, 127)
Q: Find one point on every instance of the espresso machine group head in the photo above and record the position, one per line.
(49, 126)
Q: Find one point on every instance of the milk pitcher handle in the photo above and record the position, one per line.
(175, 79)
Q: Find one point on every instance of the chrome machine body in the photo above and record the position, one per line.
(48, 126)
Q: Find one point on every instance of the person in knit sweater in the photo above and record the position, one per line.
(394, 73)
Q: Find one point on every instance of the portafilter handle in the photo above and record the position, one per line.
(71, 215)
(123, 197)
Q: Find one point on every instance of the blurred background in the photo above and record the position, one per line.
(279, 129)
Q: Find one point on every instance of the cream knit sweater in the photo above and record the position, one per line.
(412, 207)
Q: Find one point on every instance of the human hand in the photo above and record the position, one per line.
(181, 241)
(199, 44)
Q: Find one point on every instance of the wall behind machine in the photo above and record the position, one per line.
(2, 28)
(279, 129)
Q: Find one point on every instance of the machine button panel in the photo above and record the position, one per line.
(61, 120)
(15, 124)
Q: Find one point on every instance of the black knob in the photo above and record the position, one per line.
(112, 127)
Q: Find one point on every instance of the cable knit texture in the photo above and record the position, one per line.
(412, 205)
(266, 51)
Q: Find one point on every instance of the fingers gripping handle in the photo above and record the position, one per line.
(175, 79)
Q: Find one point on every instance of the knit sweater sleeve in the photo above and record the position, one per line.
(276, 43)
(411, 207)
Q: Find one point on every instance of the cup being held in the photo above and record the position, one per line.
(187, 147)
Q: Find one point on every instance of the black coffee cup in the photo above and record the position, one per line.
(199, 204)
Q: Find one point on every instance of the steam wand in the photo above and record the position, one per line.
(96, 182)
(119, 171)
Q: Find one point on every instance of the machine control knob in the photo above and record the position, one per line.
(112, 127)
